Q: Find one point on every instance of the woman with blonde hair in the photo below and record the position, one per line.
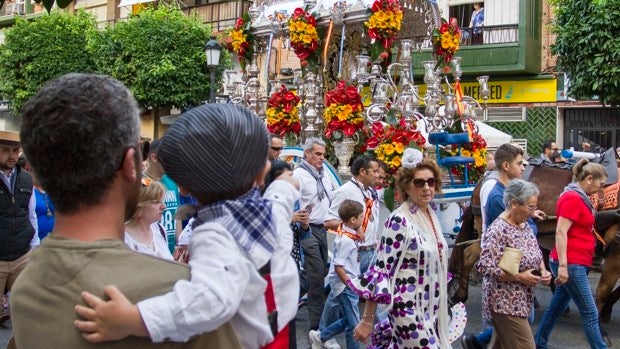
(571, 258)
(143, 233)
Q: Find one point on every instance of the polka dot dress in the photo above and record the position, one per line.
(419, 286)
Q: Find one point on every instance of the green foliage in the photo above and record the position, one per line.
(42, 49)
(588, 47)
(159, 54)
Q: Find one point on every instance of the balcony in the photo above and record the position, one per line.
(511, 40)
(25, 8)
(221, 15)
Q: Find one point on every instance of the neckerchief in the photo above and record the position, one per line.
(250, 221)
(369, 204)
(318, 176)
(576, 188)
(342, 231)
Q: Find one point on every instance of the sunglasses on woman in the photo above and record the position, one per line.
(419, 182)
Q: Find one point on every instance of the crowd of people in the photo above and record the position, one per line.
(104, 210)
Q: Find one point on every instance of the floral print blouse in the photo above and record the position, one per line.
(509, 298)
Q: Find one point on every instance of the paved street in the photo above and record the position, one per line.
(567, 334)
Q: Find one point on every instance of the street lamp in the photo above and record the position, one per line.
(212, 51)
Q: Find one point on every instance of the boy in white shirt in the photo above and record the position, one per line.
(344, 266)
(241, 267)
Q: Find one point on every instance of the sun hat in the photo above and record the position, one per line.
(214, 148)
(9, 138)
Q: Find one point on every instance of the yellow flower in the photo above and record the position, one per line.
(399, 147)
(466, 152)
(395, 162)
(389, 149)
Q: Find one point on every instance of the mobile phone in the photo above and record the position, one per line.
(536, 272)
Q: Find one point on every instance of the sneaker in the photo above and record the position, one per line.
(4, 317)
(315, 339)
(331, 344)
(470, 342)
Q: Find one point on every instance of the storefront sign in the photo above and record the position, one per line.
(520, 91)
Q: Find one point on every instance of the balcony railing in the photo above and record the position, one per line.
(495, 34)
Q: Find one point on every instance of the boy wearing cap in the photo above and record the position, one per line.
(241, 268)
(18, 219)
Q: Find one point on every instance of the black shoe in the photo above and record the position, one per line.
(470, 342)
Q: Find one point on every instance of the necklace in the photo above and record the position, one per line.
(49, 213)
(439, 243)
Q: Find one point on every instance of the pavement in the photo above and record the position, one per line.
(568, 332)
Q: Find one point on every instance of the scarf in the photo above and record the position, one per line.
(249, 220)
(576, 188)
(318, 176)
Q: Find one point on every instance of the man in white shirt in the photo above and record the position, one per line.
(316, 195)
(360, 188)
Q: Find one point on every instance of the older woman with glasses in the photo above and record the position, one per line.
(507, 299)
(410, 271)
(143, 233)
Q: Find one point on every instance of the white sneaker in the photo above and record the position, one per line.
(331, 344)
(315, 339)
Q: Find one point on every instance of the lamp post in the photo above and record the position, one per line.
(212, 51)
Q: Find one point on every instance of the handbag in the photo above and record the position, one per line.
(510, 261)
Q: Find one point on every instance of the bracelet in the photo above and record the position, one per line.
(369, 316)
(366, 323)
(562, 266)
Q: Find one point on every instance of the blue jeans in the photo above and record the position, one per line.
(331, 311)
(578, 289)
(350, 318)
(366, 258)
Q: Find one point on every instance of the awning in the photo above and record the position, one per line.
(132, 2)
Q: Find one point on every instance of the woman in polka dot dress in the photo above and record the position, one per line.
(419, 316)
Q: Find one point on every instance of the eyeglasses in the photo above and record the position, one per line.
(419, 182)
(276, 148)
(531, 208)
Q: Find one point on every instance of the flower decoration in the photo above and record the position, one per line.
(389, 142)
(282, 113)
(343, 111)
(477, 149)
(243, 40)
(384, 23)
(446, 40)
(304, 36)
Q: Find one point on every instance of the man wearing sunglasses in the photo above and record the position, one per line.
(275, 147)
(548, 150)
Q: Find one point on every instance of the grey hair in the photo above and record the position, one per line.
(519, 191)
(310, 142)
(76, 131)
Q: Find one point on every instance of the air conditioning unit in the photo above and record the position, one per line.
(506, 114)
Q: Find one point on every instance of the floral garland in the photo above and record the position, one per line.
(343, 112)
(388, 141)
(304, 36)
(384, 23)
(282, 113)
(243, 40)
(446, 41)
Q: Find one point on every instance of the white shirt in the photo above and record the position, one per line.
(487, 186)
(310, 195)
(159, 248)
(351, 191)
(226, 286)
(345, 255)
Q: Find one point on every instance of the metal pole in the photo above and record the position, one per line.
(212, 86)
